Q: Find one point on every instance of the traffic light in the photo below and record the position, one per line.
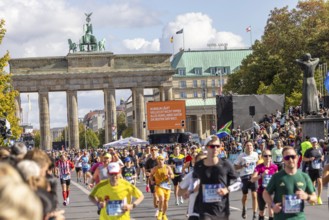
(183, 123)
(144, 124)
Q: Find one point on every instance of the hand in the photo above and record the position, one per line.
(186, 195)
(127, 207)
(312, 158)
(223, 191)
(277, 207)
(101, 204)
(301, 194)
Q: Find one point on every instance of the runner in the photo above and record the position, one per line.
(291, 188)
(247, 162)
(277, 154)
(64, 167)
(129, 171)
(113, 195)
(149, 165)
(85, 167)
(176, 160)
(263, 173)
(217, 179)
(314, 158)
(78, 166)
(161, 176)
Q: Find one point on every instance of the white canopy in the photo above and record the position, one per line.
(129, 141)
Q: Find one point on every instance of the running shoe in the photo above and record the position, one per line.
(244, 215)
(67, 200)
(177, 201)
(156, 213)
(164, 217)
(181, 200)
(64, 203)
(319, 201)
(159, 217)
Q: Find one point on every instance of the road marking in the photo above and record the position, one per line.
(80, 187)
(234, 208)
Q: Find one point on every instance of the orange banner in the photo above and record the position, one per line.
(166, 115)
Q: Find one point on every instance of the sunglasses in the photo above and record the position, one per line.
(113, 174)
(154, 149)
(214, 146)
(267, 155)
(288, 157)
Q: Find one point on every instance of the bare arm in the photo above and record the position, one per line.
(325, 177)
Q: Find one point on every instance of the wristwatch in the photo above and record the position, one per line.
(134, 205)
(308, 198)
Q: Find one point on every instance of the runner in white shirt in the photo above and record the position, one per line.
(78, 166)
(247, 162)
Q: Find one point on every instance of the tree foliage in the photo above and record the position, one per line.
(272, 67)
(7, 92)
(87, 137)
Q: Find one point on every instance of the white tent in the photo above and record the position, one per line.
(130, 141)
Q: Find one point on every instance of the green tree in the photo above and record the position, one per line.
(121, 122)
(7, 93)
(36, 137)
(128, 132)
(87, 136)
(101, 136)
(271, 68)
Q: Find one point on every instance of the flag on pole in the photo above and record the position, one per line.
(248, 29)
(180, 31)
(172, 39)
(225, 130)
(29, 102)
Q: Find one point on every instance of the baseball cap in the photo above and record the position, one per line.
(321, 141)
(313, 139)
(127, 159)
(113, 168)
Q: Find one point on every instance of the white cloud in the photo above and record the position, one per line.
(198, 32)
(141, 45)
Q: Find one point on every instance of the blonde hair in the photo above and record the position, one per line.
(6, 170)
(18, 201)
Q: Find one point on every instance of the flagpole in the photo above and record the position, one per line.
(183, 41)
(250, 38)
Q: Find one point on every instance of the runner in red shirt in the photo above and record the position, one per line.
(64, 167)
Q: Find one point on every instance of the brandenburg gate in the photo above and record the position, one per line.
(83, 71)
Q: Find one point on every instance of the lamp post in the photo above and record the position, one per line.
(85, 137)
(204, 97)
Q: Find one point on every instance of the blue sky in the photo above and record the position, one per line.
(41, 28)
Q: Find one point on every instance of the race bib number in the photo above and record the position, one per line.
(65, 176)
(291, 204)
(114, 208)
(316, 164)
(128, 178)
(266, 180)
(179, 169)
(278, 159)
(165, 185)
(210, 193)
(250, 168)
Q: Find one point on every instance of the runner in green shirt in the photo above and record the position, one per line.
(291, 188)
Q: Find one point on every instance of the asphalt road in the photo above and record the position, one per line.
(81, 208)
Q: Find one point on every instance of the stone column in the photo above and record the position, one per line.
(45, 139)
(140, 112)
(18, 108)
(72, 119)
(110, 115)
(199, 125)
(162, 94)
(168, 93)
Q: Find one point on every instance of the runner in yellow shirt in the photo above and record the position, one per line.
(161, 175)
(114, 194)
